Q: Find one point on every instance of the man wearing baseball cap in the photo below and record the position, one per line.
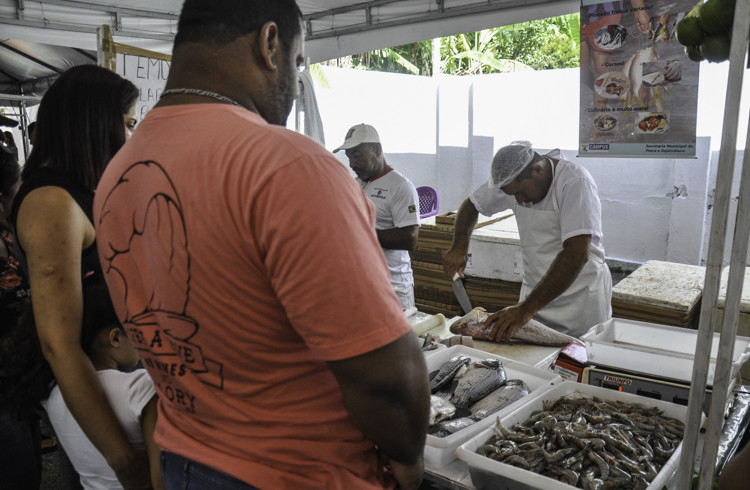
(566, 283)
(396, 205)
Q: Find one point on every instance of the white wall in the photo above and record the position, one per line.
(444, 131)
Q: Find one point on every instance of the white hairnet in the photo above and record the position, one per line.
(509, 162)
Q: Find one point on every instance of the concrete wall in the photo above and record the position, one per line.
(443, 132)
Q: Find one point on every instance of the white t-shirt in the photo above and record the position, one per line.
(396, 206)
(128, 394)
(577, 200)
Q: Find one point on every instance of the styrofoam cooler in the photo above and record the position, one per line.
(651, 348)
(486, 473)
(439, 451)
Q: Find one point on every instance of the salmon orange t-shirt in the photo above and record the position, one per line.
(242, 256)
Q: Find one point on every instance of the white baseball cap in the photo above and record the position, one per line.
(358, 134)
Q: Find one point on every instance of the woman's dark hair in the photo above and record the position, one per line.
(10, 171)
(9, 140)
(98, 312)
(212, 22)
(80, 123)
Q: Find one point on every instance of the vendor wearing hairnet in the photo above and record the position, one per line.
(566, 283)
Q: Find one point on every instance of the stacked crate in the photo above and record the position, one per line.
(432, 289)
(667, 293)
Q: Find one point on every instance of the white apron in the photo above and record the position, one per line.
(588, 300)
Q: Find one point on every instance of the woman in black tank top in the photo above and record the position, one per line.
(83, 120)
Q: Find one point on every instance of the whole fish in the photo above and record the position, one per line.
(639, 94)
(447, 371)
(533, 332)
(512, 390)
(440, 409)
(448, 427)
(481, 379)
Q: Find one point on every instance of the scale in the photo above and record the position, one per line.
(643, 384)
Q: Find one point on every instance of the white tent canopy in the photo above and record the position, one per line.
(41, 39)
(333, 28)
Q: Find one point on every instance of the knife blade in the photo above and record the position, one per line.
(460, 292)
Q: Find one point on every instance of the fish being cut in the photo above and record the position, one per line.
(481, 379)
(447, 371)
(512, 390)
(533, 332)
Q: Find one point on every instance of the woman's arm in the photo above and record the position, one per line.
(148, 421)
(53, 231)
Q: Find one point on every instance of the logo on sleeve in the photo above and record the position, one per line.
(412, 208)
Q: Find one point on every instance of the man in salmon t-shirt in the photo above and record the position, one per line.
(243, 261)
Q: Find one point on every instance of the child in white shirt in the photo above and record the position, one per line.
(130, 394)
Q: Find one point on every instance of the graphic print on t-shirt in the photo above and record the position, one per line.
(158, 325)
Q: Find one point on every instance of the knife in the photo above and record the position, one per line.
(460, 292)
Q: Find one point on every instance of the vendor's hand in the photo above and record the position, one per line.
(454, 261)
(134, 473)
(672, 71)
(505, 322)
(408, 477)
(642, 20)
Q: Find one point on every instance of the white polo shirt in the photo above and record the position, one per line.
(396, 206)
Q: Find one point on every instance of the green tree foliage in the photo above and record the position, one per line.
(536, 45)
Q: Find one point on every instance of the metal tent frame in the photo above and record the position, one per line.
(737, 265)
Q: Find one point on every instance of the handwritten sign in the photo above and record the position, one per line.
(148, 74)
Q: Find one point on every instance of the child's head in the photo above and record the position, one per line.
(102, 335)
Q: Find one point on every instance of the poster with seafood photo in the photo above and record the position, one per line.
(639, 91)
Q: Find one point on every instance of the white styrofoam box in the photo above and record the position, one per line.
(488, 473)
(744, 299)
(495, 252)
(440, 451)
(651, 348)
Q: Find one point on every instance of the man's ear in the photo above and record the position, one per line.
(115, 336)
(269, 45)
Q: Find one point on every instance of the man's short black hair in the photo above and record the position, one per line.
(528, 170)
(98, 312)
(220, 22)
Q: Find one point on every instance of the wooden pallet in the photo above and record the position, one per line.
(432, 289)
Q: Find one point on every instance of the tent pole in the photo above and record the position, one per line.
(722, 376)
(709, 303)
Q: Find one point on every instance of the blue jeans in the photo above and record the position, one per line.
(180, 473)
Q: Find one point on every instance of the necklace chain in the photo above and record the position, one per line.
(204, 93)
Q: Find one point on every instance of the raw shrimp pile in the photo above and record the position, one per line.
(589, 443)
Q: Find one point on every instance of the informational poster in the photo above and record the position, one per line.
(639, 91)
